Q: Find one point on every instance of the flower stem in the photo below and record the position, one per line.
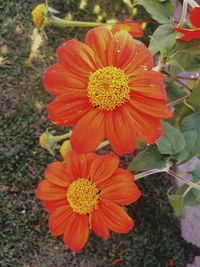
(59, 138)
(178, 101)
(53, 20)
(184, 180)
(149, 172)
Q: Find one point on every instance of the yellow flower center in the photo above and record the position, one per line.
(83, 196)
(38, 14)
(108, 88)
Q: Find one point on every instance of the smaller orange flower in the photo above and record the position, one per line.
(133, 28)
(194, 33)
(84, 192)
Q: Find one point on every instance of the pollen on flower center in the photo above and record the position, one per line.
(83, 196)
(108, 88)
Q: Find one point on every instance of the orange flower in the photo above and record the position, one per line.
(190, 34)
(133, 28)
(107, 88)
(86, 191)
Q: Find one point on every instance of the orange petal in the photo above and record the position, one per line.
(150, 84)
(77, 58)
(188, 34)
(120, 131)
(78, 165)
(55, 173)
(58, 220)
(122, 193)
(151, 106)
(147, 127)
(133, 28)
(76, 232)
(103, 167)
(114, 217)
(121, 49)
(89, 132)
(52, 205)
(58, 80)
(67, 109)
(120, 175)
(194, 16)
(49, 191)
(98, 39)
(141, 60)
(98, 225)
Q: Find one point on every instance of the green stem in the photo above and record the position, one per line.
(184, 180)
(59, 138)
(177, 101)
(149, 172)
(53, 20)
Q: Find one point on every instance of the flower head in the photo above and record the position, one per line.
(39, 15)
(106, 88)
(133, 28)
(84, 192)
(194, 32)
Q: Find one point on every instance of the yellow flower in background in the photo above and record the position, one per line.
(39, 15)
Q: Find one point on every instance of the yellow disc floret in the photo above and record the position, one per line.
(39, 15)
(108, 88)
(83, 196)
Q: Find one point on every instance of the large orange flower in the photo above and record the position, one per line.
(86, 191)
(107, 88)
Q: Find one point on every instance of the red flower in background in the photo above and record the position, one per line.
(106, 88)
(190, 34)
(133, 28)
(86, 191)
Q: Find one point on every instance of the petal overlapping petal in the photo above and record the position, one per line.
(98, 225)
(149, 84)
(48, 191)
(77, 58)
(103, 167)
(120, 131)
(67, 109)
(55, 173)
(59, 219)
(89, 132)
(99, 45)
(78, 165)
(114, 217)
(150, 106)
(76, 231)
(58, 81)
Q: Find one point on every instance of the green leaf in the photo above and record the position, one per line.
(176, 201)
(194, 99)
(172, 140)
(173, 91)
(196, 179)
(163, 39)
(147, 159)
(187, 152)
(180, 199)
(193, 64)
(192, 123)
(160, 11)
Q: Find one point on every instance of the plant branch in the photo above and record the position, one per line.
(184, 180)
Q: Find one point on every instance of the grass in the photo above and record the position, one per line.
(24, 237)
